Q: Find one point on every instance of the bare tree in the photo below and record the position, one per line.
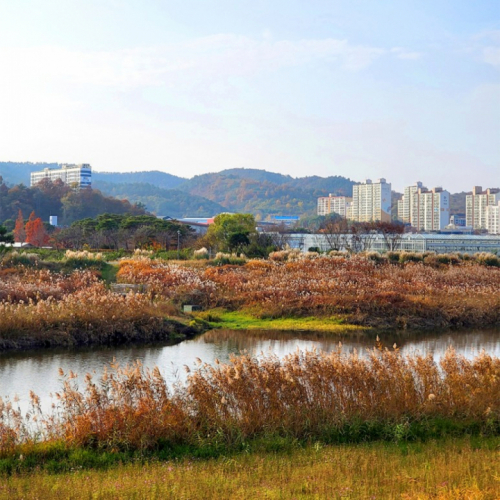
(334, 231)
(279, 234)
(360, 237)
(392, 232)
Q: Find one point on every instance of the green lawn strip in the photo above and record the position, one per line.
(244, 320)
(56, 457)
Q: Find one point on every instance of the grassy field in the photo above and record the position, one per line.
(243, 320)
(466, 468)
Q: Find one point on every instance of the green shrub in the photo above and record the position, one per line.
(223, 259)
(487, 259)
(183, 254)
(410, 257)
(393, 257)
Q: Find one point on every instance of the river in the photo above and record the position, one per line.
(39, 371)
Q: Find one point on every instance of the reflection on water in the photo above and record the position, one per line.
(22, 372)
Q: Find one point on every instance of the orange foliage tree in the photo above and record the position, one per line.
(36, 233)
(19, 232)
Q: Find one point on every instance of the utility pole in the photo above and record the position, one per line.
(178, 244)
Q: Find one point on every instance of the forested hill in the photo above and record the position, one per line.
(55, 198)
(245, 190)
(235, 190)
(152, 177)
(171, 202)
(333, 184)
(19, 173)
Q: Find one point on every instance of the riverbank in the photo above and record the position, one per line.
(304, 397)
(361, 291)
(445, 469)
(40, 307)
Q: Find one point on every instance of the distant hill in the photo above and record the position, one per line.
(255, 191)
(19, 173)
(338, 184)
(171, 202)
(154, 177)
(457, 203)
(248, 190)
(257, 175)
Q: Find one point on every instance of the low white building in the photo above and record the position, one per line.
(439, 243)
(79, 176)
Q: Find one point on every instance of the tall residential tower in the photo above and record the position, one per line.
(423, 209)
(476, 203)
(371, 201)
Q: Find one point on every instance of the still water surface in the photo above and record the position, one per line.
(22, 372)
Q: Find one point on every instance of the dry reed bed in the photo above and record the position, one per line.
(368, 292)
(306, 395)
(43, 309)
(22, 285)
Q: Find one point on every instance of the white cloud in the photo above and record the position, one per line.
(491, 55)
(224, 54)
(486, 47)
(402, 53)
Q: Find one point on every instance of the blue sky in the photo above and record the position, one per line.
(407, 90)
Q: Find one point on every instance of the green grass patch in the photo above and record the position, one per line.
(443, 469)
(245, 320)
(109, 272)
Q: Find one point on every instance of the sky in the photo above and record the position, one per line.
(405, 89)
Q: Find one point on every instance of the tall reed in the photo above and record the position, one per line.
(306, 395)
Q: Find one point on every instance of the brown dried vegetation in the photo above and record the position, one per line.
(306, 395)
(367, 292)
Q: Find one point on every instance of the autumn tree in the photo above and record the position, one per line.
(19, 232)
(36, 234)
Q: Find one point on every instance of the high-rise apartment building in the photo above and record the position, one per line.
(425, 210)
(493, 218)
(334, 205)
(371, 201)
(406, 206)
(74, 175)
(431, 209)
(476, 203)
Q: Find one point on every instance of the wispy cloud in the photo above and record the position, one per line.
(223, 55)
(491, 55)
(402, 53)
(486, 47)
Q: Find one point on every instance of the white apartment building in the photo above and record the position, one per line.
(371, 201)
(72, 175)
(334, 205)
(425, 210)
(476, 203)
(405, 205)
(493, 218)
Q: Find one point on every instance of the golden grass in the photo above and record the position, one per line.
(443, 470)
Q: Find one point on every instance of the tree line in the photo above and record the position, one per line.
(56, 198)
(118, 231)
